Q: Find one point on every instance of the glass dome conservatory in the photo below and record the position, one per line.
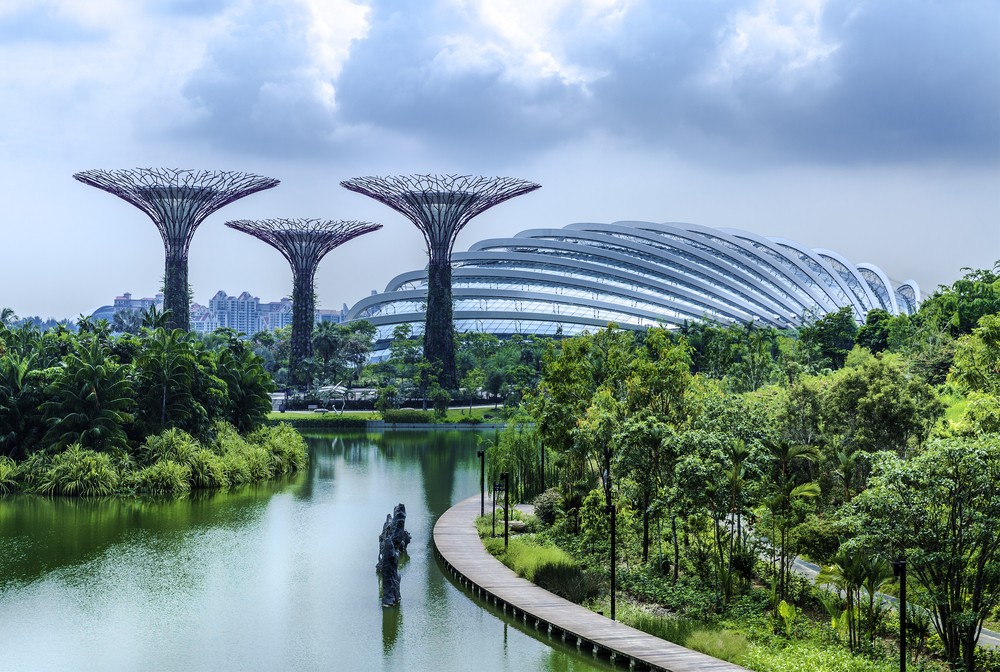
(637, 274)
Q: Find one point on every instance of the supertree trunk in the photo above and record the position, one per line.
(303, 317)
(303, 243)
(440, 206)
(439, 332)
(175, 293)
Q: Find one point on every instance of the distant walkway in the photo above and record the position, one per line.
(457, 542)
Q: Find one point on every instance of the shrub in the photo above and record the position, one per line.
(287, 448)
(547, 505)
(236, 469)
(166, 477)
(549, 567)
(174, 444)
(78, 472)
(407, 416)
(207, 470)
(8, 475)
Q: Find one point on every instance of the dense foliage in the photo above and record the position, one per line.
(723, 452)
(86, 412)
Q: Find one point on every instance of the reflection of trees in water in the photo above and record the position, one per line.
(41, 534)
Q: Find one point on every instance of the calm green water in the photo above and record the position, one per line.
(274, 577)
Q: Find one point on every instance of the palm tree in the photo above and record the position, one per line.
(248, 387)
(8, 318)
(165, 372)
(326, 341)
(846, 573)
(90, 401)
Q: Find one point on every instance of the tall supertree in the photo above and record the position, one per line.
(177, 201)
(303, 242)
(440, 206)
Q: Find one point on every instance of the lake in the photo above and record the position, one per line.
(277, 576)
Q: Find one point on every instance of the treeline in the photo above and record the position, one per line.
(725, 452)
(98, 400)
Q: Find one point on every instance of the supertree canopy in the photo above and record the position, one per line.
(440, 206)
(303, 242)
(177, 201)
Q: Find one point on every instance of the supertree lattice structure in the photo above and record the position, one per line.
(303, 242)
(440, 206)
(177, 201)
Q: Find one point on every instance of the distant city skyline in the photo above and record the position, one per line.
(865, 127)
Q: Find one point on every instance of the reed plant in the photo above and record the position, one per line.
(165, 477)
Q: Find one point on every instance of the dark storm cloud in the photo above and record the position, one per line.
(903, 80)
(254, 92)
(858, 82)
(43, 24)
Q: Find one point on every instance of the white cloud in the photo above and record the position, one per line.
(779, 41)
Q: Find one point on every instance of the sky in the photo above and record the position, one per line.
(871, 128)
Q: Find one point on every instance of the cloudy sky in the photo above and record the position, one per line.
(871, 128)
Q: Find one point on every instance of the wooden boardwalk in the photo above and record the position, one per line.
(457, 543)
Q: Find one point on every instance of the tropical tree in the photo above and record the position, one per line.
(941, 507)
(165, 374)
(91, 400)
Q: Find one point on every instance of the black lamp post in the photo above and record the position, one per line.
(899, 569)
(496, 487)
(505, 477)
(610, 510)
(481, 454)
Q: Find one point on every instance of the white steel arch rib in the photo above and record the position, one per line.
(637, 274)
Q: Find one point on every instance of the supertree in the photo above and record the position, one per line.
(440, 206)
(177, 201)
(303, 242)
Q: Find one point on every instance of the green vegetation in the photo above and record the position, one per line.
(723, 452)
(159, 412)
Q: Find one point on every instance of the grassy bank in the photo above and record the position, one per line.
(169, 464)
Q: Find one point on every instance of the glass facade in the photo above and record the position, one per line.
(636, 274)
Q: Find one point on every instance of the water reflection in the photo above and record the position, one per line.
(279, 576)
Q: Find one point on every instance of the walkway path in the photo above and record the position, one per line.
(457, 542)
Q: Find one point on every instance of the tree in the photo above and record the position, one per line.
(834, 334)
(165, 372)
(977, 371)
(941, 509)
(90, 401)
(876, 407)
(875, 334)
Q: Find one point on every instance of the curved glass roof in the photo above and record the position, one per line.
(638, 274)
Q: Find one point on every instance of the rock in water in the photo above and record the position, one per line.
(389, 560)
(394, 528)
(393, 541)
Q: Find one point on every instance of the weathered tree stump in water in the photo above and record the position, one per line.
(393, 540)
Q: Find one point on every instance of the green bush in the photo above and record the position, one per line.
(166, 477)
(207, 470)
(407, 416)
(547, 505)
(287, 448)
(78, 472)
(174, 444)
(549, 567)
(8, 475)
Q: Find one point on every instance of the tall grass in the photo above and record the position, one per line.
(78, 472)
(804, 657)
(708, 639)
(549, 567)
